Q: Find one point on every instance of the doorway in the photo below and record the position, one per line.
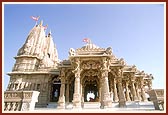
(91, 92)
(55, 89)
(55, 92)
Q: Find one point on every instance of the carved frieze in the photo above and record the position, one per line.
(27, 95)
(91, 65)
(91, 73)
(117, 72)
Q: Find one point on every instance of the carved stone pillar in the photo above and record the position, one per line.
(29, 86)
(111, 91)
(26, 86)
(83, 91)
(101, 91)
(32, 86)
(107, 102)
(35, 86)
(137, 91)
(67, 93)
(77, 93)
(143, 91)
(133, 90)
(23, 85)
(82, 96)
(150, 84)
(9, 86)
(61, 101)
(18, 86)
(121, 93)
(13, 106)
(127, 92)
(115, 98)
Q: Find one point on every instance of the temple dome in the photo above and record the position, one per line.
(90, 46)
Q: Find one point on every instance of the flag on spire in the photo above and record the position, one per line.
(87, 40)
(45, 27)
(35, 18)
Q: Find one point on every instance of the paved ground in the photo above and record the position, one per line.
(111, 110)
(132, 107)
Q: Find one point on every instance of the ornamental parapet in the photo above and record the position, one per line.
(20, 100)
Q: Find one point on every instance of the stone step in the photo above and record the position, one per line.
(96, 105)
(52, 105)
(91, 105)
(145, 105)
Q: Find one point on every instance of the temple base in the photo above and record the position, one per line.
(61, 102)
(77, 101)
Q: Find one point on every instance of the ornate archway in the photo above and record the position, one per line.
(90, 85)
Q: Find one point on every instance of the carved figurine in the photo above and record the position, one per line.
(72, 52)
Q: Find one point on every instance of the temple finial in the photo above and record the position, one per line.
(41, 23)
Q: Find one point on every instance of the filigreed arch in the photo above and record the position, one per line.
(90, 84)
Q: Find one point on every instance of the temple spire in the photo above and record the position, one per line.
(41, 23)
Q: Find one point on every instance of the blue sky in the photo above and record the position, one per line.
(134, 31)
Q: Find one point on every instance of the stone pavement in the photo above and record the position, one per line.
(132, 107)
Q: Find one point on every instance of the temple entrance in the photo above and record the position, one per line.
(90, 84)
(91, 92)
(55, 89)
(56, 92)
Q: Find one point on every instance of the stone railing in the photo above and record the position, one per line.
(157, 96)
(20, 100)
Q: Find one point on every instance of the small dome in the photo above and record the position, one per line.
(90, 46)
